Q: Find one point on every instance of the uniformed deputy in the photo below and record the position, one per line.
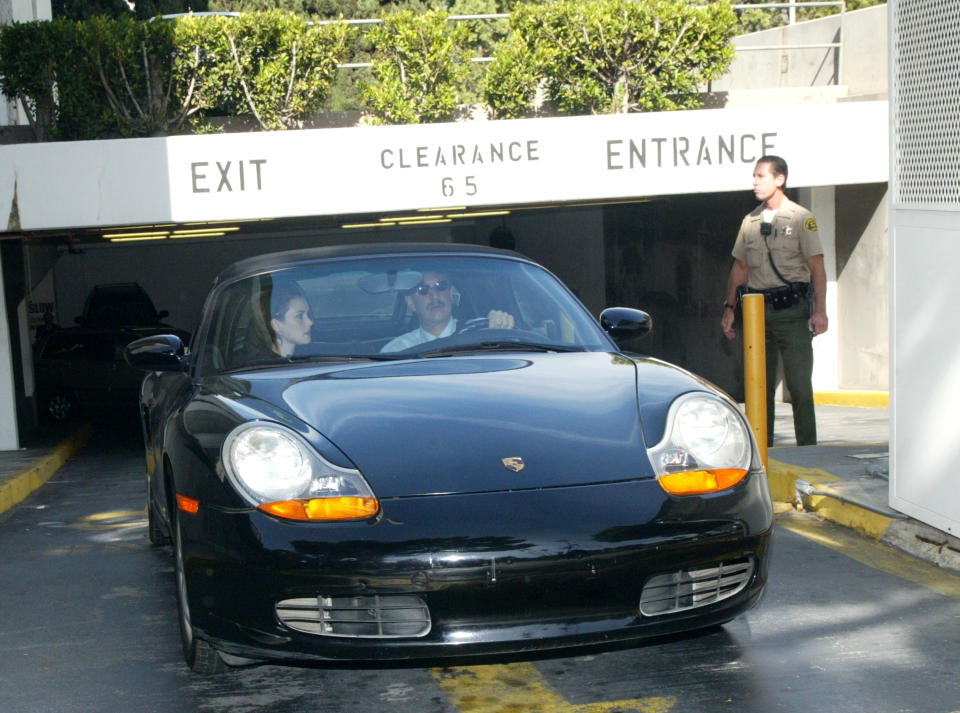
(778, 253)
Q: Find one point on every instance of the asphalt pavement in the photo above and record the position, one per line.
(843, 479)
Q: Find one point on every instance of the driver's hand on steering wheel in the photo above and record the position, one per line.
(500, 320)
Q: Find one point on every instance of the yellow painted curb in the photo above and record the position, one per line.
(783, 489)
(783, 478)
(863, 399)
(834, 510)
(28, 479)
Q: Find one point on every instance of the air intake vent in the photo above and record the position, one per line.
(689, 589)
(374, 617)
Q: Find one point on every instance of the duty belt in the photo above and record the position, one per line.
(800, 288)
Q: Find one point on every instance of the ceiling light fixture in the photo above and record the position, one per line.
(133, 237)
(349, 226)
(479, 214)
(203, 231)
(198, 234)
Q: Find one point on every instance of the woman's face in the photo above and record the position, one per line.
(294, 327)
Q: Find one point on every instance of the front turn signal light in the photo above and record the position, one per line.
(324, 509)
(698, 482)
(188, 505)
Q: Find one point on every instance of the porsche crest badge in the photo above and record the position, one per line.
(515, 463)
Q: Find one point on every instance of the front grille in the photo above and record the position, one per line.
(689, 589)
(388, 616)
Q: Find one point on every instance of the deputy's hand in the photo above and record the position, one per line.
(726, 324)
(818, 323)
(500, 320)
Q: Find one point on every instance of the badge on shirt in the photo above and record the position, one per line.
(810, 225)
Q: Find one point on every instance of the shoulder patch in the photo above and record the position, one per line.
(810, 225)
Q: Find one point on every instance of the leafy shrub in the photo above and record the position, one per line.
(418, 63)
(120, 76)
(42, 65)
(276, 67)
(609, 56)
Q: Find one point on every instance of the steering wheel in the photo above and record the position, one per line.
(473, 324)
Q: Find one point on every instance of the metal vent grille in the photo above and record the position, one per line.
(926, 94)
(374, 617)
(689, 589)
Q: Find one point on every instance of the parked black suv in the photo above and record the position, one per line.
(120, 304)
(83, 367)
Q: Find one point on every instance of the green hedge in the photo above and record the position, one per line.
(612, 56)
(105, 77)
(119, 76)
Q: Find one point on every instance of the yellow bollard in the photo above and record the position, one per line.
(755, 370)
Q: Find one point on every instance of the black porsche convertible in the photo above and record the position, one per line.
(414, 451)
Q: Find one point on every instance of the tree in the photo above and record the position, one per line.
(418, 64)
(133, 61)
(612, 56)
(510, 85)
(42, 66)
(278, 67)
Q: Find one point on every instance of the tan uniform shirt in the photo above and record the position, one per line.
(793, 240)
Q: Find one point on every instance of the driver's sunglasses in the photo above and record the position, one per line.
(423, 289)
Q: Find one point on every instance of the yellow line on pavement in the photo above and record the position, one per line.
(520, 688)
(872, 553)
(116, 520)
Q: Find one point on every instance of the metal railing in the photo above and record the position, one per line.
(790, 5)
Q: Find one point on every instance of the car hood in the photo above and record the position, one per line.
(481, 424)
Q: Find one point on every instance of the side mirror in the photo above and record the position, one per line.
(623, 323)
(162, 352)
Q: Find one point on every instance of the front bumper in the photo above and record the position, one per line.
(496, 573)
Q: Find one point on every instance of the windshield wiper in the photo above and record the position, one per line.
(499, 345)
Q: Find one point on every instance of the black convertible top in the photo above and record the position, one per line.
(259, 263)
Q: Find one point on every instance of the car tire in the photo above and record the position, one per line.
(154, 531)
(200, 656)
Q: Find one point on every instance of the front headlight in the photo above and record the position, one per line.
(706, 446)
(280, 473)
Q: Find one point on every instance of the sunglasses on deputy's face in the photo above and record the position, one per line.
(423, 289)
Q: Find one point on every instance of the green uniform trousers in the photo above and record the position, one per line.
(788, 336)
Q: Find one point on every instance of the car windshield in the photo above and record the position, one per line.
(392, 308)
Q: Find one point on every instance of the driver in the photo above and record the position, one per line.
(432, 301)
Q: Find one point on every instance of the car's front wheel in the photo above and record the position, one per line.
(154, 530)
(200, 656)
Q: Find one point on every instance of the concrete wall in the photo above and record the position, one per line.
(579, 261)
(863, 283)
(819, 74)
(670, 257)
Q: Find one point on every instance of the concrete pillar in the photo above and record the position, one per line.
(821, 202)
(9, 439)
(24, 10)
